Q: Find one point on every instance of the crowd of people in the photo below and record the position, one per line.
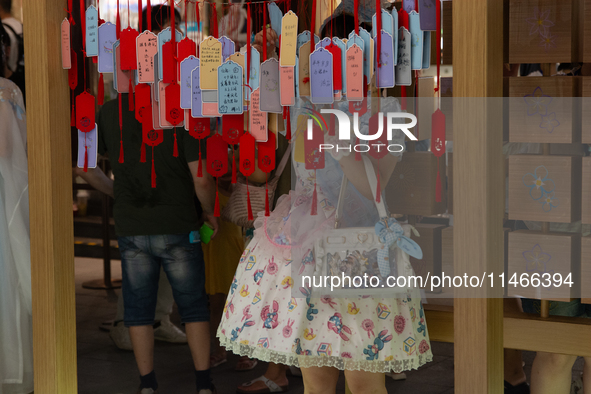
(212, 284)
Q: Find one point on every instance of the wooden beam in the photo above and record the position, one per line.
(478, 190)
(50, 195)
(524, 332)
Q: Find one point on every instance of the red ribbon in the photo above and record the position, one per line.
(149, 15)
(313, 23)
(248, 50)
(438, 35)
(264, 32)
(118, 21)
(139, 11)
(356, 13)
(214, 20)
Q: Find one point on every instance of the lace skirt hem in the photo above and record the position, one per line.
(307, 361)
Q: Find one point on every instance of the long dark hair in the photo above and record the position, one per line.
(4, 43)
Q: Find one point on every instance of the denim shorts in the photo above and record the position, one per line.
(182, 261)
(572, 308)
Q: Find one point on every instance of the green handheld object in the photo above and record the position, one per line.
(205, 233)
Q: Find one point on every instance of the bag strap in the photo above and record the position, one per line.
(282, 163)
(373, 184)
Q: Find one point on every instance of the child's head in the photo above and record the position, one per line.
(160, 18)
(341, 25)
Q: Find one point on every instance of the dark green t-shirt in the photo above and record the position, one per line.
(140, 209)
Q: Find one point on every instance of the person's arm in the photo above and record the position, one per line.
(205, 189)
(97, 179)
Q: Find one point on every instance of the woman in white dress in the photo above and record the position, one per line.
(268, 316)
(16, 347)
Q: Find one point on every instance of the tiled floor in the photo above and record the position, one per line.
(104, 369)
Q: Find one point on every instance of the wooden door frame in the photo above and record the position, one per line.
(50, 200)
(478, 180)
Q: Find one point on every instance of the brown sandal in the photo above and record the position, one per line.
(245, 364)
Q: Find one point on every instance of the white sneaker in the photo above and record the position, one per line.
(148, 391)
(120, 336)
(168, 332)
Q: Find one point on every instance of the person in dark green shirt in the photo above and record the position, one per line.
(158, 227)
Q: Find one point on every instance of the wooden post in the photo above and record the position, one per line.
(50, 196)
(478, 190)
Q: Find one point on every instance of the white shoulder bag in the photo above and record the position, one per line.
(367, 260)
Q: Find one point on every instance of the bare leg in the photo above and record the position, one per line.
(142, 339)
(362, 382)
(198, 338)
(552, 373)
(587, 376)
(320, 380)
(216, 309)
(513, 360)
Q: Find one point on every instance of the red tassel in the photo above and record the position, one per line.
(175, 151)
(200, 167)
(73, 117)
(143, 153)
(357, 153)
(403, 98)
(267, 209)
(288, 126)
(130, 99)
(438, 184)
(85, 158)
(153, 171)
(314, 202)
(250, 215)
(121, 153)
(234, 178)
(101, 90)
(216, 210)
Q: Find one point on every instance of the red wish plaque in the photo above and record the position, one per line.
(128, 49)
(217, 156)
(168, 63)
(143, 101)
(232, 128)
(247, 154)
(174, 112)
(85, 114)
(266, 154)
(199, 127)
(313, 157)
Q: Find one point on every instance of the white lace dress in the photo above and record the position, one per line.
(266, 318)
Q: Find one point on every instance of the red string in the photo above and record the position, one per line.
(248, 50)
(198, 24)
(118, 21)
(149, 15)
(139, 11)
(128, 24)
(264, 32)
(83, 22)
(438, 35)
(313, 23)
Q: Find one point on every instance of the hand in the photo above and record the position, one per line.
(272, 39)
(213, 221)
